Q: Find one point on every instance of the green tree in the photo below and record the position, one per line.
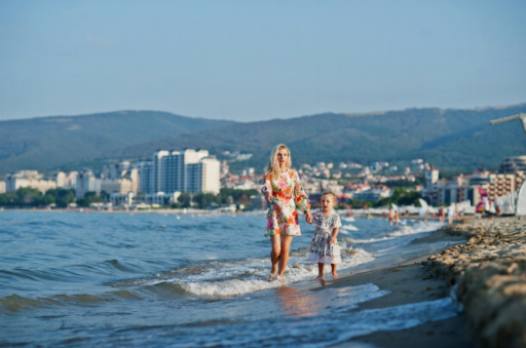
(29, 197)
(61, 197)
(89, 197)
(185, 200)
(205, 200)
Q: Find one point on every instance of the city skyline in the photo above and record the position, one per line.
(255, 61)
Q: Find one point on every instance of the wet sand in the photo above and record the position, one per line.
(409, 283)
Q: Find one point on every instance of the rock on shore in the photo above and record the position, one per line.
(490, 273)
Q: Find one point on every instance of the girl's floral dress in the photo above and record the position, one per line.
(321, 249)
(288, 198)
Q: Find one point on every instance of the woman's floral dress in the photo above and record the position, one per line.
(288, 198)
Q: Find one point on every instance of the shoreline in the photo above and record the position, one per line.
(174, 211)
(489, 273)
(409, 282)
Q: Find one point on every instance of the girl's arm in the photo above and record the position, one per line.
(336, 229)
(334, 235)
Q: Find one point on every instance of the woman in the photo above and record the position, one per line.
(284, 196)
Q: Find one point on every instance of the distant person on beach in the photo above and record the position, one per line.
(390, 215)
(441, 215)
(393, 215)
(451, 213)
(324, 248)
(285, 197)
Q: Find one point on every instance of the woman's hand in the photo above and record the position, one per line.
(333, 240)
(269, 197)
(308, 217)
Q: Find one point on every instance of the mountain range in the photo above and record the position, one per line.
(452, 139)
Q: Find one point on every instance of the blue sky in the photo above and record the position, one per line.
(254, 60)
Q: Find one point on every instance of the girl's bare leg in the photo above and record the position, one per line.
(275, 253)
(333, 271)
(320, 270)
(285, 249)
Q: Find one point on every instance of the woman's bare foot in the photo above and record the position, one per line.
(334, 275)
(272, 277)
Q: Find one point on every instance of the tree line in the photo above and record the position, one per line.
(28, 197)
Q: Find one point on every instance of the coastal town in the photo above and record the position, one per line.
(195, 178)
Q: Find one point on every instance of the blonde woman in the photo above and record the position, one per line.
(285, 197)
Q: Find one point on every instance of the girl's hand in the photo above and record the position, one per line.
(308, 217)
(333, 240)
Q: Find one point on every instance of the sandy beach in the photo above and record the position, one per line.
(489, 273)
(408, 283)
(486, 274)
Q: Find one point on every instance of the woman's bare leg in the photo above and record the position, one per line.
(275, 253)
(285, 249)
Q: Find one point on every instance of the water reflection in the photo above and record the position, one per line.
(297, 303)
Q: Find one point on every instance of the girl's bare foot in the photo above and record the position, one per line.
(272, 277)
(334, 275)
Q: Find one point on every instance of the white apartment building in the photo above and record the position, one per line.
(2, 186)
(87, 182)
(28, 178)
(68, 180)
(513, 164)
(204, 176)
(180, 171)
(123, 186)
(121, 178)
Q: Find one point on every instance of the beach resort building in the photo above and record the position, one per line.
(503, 184)
(66, 181)
(28, 178)
(2, 186)
(180, 171)
(513, 164)
(87, 182)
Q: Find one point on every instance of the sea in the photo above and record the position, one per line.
(99, 279)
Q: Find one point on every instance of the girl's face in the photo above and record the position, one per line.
(326, 202)
(283, 157)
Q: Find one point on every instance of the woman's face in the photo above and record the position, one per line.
(283, 157)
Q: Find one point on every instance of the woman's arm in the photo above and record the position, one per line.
(266, 189)
(301, 199)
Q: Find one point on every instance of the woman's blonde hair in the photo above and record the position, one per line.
(273, 165)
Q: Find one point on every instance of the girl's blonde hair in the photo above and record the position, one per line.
(334, 199)
(273, 165)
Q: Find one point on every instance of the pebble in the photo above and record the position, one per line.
(490, 270)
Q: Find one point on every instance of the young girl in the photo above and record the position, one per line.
(324, 247)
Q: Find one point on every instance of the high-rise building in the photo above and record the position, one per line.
(180, 171)
(145, 172)
(431, 176)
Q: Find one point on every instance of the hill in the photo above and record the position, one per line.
(67, 142)
(452, 139)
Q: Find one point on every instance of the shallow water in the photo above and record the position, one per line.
(103, 279)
